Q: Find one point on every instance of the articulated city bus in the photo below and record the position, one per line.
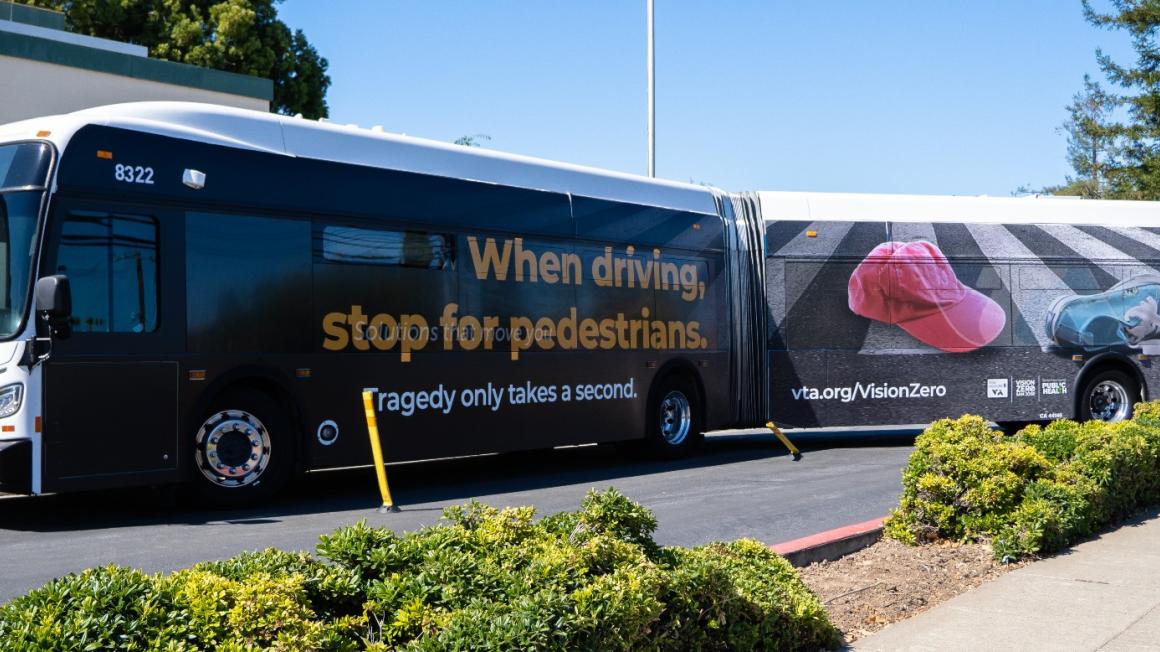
(199, 294)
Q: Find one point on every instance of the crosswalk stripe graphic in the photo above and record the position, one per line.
(1108, 258)
(819, 317)
(779, 234)
(912, 231)
(974, 269)
(825, 243)
(1000, 246)
(1136, 242)
(782, 296)
(1079, 273)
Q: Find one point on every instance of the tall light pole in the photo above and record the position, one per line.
(652, 136)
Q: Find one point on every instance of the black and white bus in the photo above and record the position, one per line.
(199, 294)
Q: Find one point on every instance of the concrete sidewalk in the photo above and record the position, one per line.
(1103, 594)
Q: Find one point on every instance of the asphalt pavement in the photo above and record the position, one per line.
(742, 484)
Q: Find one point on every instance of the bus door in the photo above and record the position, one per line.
(111, 388)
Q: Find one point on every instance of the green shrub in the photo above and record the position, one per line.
(97, 609)
(1035, 492)
(963, 481)
(261, 612)
(487, 579)
(739, 596)
(331, 591)
(116, 608)
(591, 579)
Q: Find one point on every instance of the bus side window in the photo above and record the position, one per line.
(348, 244)
(111, 262)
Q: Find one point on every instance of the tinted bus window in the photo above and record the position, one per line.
(18, 212)
(24, 165)
(358, 246)
(248, 283)
(111, 262)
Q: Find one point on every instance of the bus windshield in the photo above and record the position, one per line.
(23, 174)
(18, 213)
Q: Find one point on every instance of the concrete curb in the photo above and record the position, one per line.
(832, 544)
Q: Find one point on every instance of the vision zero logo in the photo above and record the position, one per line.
(997, 388)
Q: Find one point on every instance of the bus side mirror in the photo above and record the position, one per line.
(54, 303)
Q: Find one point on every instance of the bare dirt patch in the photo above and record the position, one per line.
(889, 581)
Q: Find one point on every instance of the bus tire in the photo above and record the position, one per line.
(243, 450)
(1109, 395)
(675, 421)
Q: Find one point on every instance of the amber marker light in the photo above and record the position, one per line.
(105, 154)
(197, 374)
(43, 134)
(1077, 358)
(811, 234)
(8, 428)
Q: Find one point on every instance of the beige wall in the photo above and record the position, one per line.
(32, 88)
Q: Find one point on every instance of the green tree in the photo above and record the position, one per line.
(1133, 172)
(243, 36)
(1094, 144)
(473, 141)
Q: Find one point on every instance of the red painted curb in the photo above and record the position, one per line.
(828, 537)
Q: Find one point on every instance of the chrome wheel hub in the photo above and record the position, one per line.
(1108, 401)
(676, 418)
(233, 448)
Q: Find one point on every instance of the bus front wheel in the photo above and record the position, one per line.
(1108, 396)
(676, 421)
(243, 450)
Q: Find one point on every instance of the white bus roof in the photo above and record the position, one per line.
(842, 207)
(327, 141)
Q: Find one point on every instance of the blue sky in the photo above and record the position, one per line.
(951, 97)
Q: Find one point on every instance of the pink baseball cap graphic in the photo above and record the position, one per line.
(911, 284)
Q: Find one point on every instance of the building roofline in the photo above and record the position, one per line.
(73, 55)
(52, 34)
(29, 15)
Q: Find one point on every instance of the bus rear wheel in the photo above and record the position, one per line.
(243, 450)
(676, 421)
(1108, 396)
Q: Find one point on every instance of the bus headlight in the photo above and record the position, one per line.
(10, 396)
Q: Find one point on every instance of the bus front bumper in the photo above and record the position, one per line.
(16, 466)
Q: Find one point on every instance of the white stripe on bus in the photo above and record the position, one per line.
(818, 249)
(1105, 256)
(1006, 252)
(1143, 236)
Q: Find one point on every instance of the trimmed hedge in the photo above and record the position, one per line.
(1035, 492)
(488, 579)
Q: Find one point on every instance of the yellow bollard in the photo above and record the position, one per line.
(377, 452)
(785, 440)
